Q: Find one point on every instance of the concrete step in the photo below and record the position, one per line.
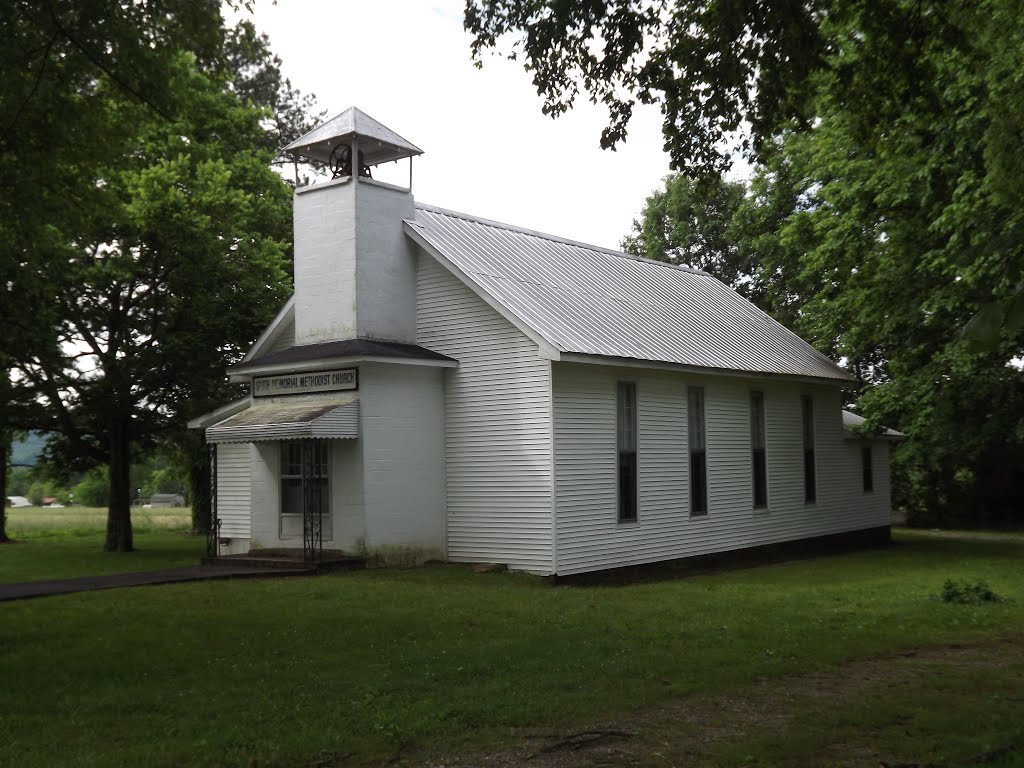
(292, 561)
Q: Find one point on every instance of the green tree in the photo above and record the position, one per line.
(889, 227)
(183, 265)
(915, 233)
(733, 75)
(731, 229)
(256, 79)
(59, 58)
(18, 481)
(93, 490)
(108, 133)
(689, 223)
(5, 453)
(46, 489)
(712, 66)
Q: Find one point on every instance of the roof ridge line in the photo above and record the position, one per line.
(556, 238)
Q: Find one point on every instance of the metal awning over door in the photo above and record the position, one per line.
(273, 421)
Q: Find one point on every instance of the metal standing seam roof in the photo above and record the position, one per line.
(594, 301)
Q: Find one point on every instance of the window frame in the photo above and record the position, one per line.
(697, 455)
(809, 453)
(323, 447)
(627, 505)
(867, 469)
(758, 451)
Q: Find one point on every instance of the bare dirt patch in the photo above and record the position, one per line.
(880, 693)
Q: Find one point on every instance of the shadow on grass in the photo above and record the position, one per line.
(734, 560)
(41, 556)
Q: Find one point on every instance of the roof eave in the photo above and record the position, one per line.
(629, 362)
(890, 435)
(219, 414)
(379, 143)
(242, 373)
(270, 331)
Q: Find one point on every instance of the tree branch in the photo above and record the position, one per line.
(98, 63)
(8, 131)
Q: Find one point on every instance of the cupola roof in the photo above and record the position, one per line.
(377, 143)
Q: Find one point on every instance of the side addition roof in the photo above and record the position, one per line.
(852, 422)
(586, 300)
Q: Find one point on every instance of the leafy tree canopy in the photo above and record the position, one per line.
(156, 229)
(885, 231)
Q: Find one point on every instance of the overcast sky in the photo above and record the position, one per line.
(488, 150)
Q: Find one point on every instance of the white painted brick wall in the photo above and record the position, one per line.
(385, 264)
(354, 267)
(325, 263)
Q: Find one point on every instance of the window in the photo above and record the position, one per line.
(627, 469)
(867, 469)
(757, 452)
(293, 490)
(698, 452)
(810, 480)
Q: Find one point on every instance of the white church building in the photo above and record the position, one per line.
(446, 387)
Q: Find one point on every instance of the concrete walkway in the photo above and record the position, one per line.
(31, 589)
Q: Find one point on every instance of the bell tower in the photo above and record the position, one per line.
(354, 268)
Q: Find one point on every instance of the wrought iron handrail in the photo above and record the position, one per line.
(213, 524)
(312, 502)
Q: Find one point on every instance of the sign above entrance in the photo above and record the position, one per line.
(305, 383)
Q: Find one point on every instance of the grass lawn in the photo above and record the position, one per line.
(67, 542)
(363, 668)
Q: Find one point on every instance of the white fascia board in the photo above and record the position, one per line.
(224, 412)
(270, 330)
(622, 362)
(327, 362)
(870, 437)
(855, 433)
(316, 186)
(551, 469)
(546, 350)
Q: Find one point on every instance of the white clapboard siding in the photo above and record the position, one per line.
(883, 481)
(589, 535)
(784, 444)
(234, 490)
(497, 426)
(877, 502)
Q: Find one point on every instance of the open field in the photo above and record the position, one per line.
(33, 522)
(833, 661)
(67, 542)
